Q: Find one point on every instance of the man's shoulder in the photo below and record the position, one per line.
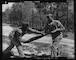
(13, 32)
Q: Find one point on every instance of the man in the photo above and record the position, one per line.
(55, 28)
(15, 38)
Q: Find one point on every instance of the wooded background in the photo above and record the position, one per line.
(34, 13)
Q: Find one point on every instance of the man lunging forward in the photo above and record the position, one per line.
(15, 38)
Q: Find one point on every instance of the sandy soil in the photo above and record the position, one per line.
(40, 46)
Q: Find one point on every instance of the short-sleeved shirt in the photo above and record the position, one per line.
(14, 35)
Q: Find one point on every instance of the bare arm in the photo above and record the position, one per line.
(36, 31)
(60, 27)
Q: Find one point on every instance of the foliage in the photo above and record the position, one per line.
(15, 15)
(5, 16)
(34, 13)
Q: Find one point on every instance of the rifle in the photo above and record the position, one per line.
(34, 38)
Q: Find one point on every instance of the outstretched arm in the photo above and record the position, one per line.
(35, 31)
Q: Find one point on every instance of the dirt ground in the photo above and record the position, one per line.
(45, 40)
(70, 35)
